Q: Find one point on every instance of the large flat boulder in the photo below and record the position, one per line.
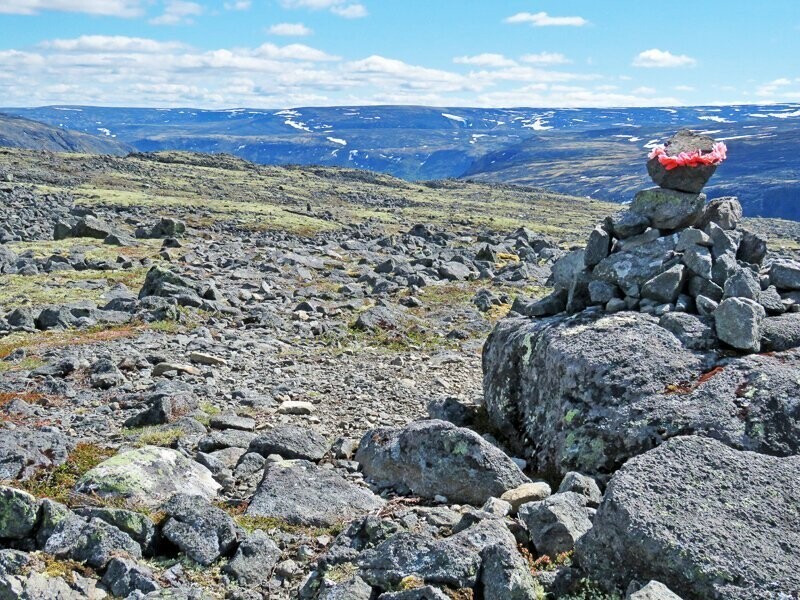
(436, 458)
(299, 492)
(706, 520)
(585, 393)
(147, 477)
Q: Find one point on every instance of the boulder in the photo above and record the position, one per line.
(299, 492)
(254, 560)
(124, 577)
(695, 332)
(527, 492)
(627, 224)
(19, 512)
(706, 520)
(665, 287)
(557, 522)
(291, 441)
(780, 333)
(669, 209)
(94, 542)
(202, 531)
(583, 485)
(630, 269)
(752, 248)
(148, 477)
(598, 246)
(785, 275)
(738, 323)
(725, 212)
(436, 458)
(454, 561)
(593, 390)
(505, 574)
(137, 525)
(686, 179)
(654, 591)
(742, 283)
(24, 450)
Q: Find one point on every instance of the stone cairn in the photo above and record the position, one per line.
(672, 253)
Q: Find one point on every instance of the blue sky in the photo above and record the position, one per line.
(283, 53)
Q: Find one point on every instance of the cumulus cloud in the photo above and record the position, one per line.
(545, 58)
(542, 19)
(111, 43)
(238, 5)
(655, 58)
(117, 8)
(290, 29)
(178, 12)
(342, 8)
(485, 60)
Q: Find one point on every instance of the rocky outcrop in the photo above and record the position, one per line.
(704, 519)
(586, 392)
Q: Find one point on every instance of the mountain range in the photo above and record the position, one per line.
(597, 153)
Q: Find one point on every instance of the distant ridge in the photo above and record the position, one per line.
(589, 152)
(17, 132)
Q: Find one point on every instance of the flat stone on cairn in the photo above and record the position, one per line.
(673, 252)
(683, 179)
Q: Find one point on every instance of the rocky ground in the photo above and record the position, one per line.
(225, 380)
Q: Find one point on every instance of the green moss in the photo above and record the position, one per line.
(155, 436)
(57, 483)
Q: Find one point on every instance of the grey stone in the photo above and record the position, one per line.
(94, 542)
(301, 493)
(752, 248)
(631, 269)
(742, 284)
(19, 512)
(565, 269)
(698, 259)
(598, 246)
(552, 304)
(124, 577)
(24, 450)
(694, 332)
(687, 179)
(602, 292)
(627, 224)
(586, 392)
(630, 243)
(50, 515)
(705, 306)
(780, 333)
(437, 458)
(699, 286)
(665, 287)
(724, 267)
(583, 485)
(654, 591)
(722, 241)
(354, 588)
(454, 561)
(254, 560)
(771, 300)
(148, 477)
(505, 574)
(137, 525)
(725, 212)
(692, 237)
(202, 531)
(738, 323)
(785, 275)
(694, 505)
(557, 522)
(291, 441)
(669, 209)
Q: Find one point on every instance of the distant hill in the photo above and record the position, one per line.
(17, 132)
(598, 153)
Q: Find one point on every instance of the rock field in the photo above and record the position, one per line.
(220, 380)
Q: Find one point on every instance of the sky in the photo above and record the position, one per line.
(483, 53)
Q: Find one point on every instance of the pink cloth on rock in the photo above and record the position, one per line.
(695, 158)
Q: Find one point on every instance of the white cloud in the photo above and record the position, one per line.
(290, 29)
(342, 8)
(485, 60)
(350, 11)
(542, 19)
(116, 43)
(655, 58)
(644, 91)
(238, 5)
(684, 88)
(294, 52)
(178, 12)
(545, 58)
(117, 8)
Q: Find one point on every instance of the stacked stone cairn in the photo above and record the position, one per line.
(685, 260)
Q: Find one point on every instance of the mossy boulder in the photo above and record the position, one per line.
(18, 513)
(147, 477)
